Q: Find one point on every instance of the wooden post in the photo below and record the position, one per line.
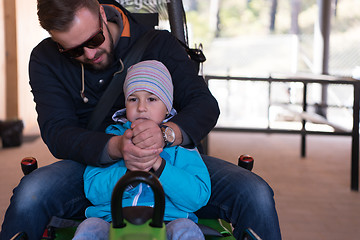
(11, 69)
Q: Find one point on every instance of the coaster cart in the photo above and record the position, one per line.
(139, 222)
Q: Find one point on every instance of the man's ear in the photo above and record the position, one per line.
(102, 13)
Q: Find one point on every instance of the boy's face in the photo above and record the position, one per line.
(145, 105)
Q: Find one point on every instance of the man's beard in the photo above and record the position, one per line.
(109, 58)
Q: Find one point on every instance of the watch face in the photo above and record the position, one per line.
(169, 135)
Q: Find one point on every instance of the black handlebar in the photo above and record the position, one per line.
(136, 177)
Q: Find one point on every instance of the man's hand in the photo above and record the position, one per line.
(135, 158)
(147, 134)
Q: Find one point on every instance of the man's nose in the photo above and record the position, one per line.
(89, 53)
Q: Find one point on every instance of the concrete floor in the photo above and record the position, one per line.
(312, 194)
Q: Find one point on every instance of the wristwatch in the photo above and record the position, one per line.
(168, 135)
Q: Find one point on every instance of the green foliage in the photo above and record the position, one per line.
(239, 17)
(253, 17)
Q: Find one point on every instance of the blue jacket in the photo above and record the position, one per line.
(63, 116)
(185, 180)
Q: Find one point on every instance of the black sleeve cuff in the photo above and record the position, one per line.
(158, 172)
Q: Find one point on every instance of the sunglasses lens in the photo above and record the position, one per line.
(95, 41)
(75, 52)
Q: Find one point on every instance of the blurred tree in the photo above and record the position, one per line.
(191, 5)
(214, 20)
(273, 10)
(295, 11)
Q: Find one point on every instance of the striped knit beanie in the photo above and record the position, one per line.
(151, 76)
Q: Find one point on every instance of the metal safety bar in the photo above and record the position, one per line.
(323, 80)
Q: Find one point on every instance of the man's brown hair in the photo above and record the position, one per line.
(59, 14)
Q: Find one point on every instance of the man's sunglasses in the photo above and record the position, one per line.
(93, 42)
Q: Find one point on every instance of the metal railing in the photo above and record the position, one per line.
(323, 80)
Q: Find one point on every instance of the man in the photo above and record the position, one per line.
(69, 72)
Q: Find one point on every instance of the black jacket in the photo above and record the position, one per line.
(62, 115)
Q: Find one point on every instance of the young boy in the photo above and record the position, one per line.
(148, 93)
